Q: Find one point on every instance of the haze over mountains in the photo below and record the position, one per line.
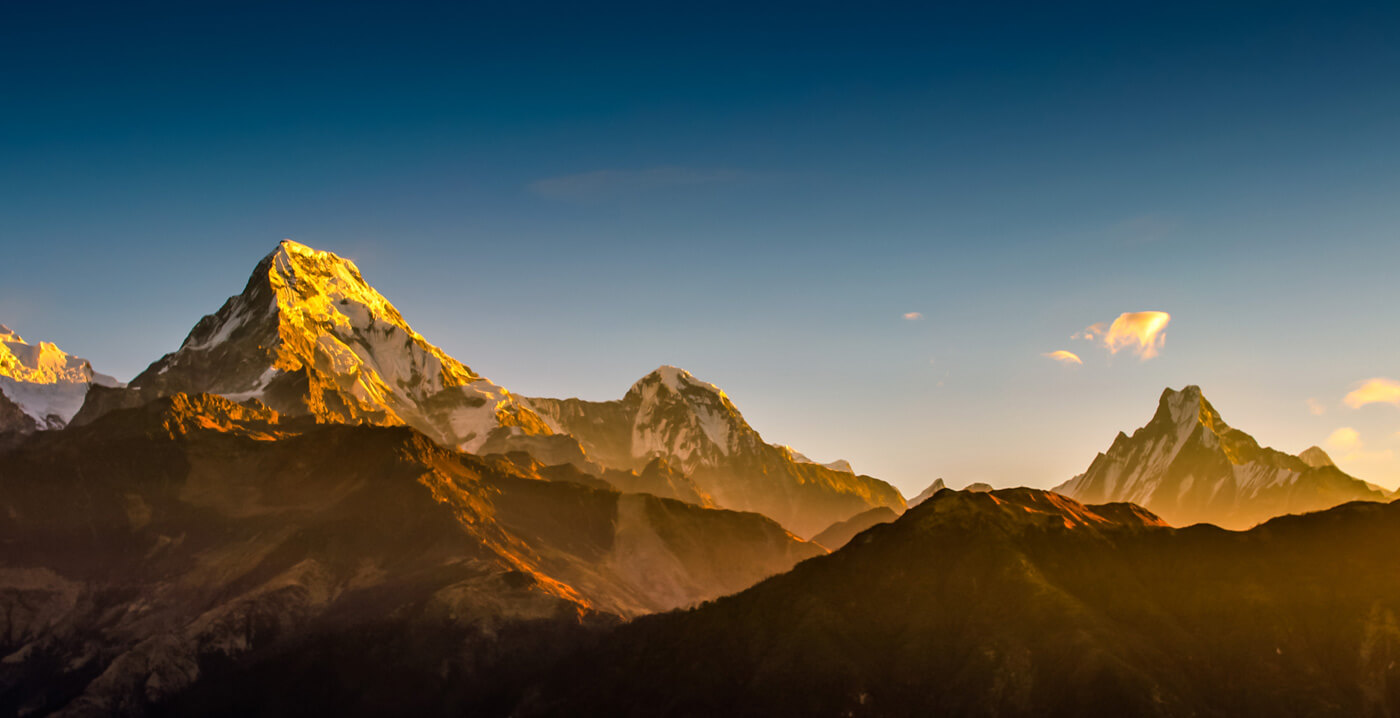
(308, 506)
(208, 529)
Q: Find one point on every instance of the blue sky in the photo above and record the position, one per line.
(565, 198)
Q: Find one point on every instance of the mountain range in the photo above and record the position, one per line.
(308, 336)
(309, 508)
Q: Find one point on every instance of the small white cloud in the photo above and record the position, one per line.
(1064, 357)
(1142, 333)
(1315, 407)
(913, 316)
(1344, 439)
(1378, 390)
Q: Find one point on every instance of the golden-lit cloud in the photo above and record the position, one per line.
(913, 316)
(1379, 390)
(1344, 439)
(1064, 357)
(1316, 408)
(1142, 333)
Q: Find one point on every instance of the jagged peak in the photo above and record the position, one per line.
(1187, 407)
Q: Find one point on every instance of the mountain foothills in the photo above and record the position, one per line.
(1012, 603)
(1189, 466)
(153, 543)
(693, 425)
(1025, 603)
(41, 386)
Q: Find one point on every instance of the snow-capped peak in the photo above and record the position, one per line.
(308, 333)
(1188, 465)
(43, 380)
(686, 420)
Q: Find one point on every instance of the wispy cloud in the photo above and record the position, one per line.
(1064, 357)
(913, 316)
(1344, 439)
(613, 183)
(1142, 333)
(1315, 407)
(1378, 390)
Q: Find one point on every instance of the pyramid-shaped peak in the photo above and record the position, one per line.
(1187, 407)
(1315, 457)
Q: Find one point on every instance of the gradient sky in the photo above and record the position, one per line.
(566, 197)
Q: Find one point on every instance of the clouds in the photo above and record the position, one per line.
(1141, 333)
(1315, 407)
(613, 184)
(1347, 442)
(1378, 390)
(1064, 357)
(913, 316)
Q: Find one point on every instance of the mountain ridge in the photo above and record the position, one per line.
(1023, 602)
(696, 428)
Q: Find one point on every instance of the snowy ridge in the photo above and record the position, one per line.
(45, 382)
